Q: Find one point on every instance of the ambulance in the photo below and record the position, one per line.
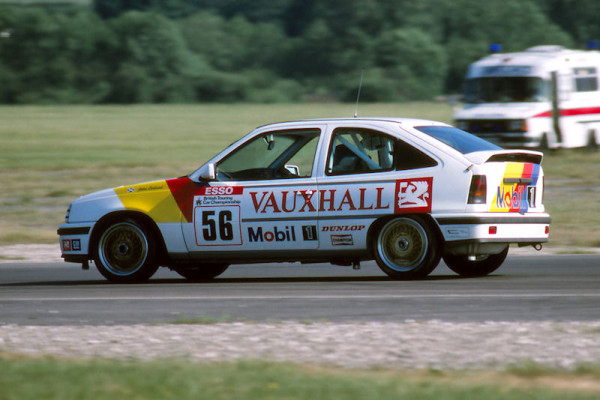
(545, 97)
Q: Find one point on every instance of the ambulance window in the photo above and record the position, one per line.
(586, 79)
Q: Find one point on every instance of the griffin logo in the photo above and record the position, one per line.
(414, 195)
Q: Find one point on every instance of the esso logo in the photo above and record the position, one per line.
(219, 190)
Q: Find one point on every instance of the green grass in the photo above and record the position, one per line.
(51, 155)
(58, 379)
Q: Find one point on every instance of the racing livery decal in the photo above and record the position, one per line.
(414, 195)
(163, 201)
(342, 228)
(217, 216)
(309, 233)
(302, 201)
(517, 190)
(71, 244)
(277, 234)
(342, 240)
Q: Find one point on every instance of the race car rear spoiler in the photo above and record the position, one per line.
(526, 156)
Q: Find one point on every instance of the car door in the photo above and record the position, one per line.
(366, 174)
(264, 197)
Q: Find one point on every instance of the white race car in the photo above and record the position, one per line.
(404, 192)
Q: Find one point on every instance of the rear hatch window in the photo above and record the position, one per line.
(461, 141)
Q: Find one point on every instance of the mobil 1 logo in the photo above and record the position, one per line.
(309, 233)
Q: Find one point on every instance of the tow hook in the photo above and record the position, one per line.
(537, 246)
(85, 265)
(356, 265)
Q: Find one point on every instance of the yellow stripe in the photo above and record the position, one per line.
(154, 199)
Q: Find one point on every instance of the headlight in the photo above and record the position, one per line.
(517, 125)
(463, 125)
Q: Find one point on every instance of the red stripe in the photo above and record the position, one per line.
(183, 191)
(527, 170)
(571, 112)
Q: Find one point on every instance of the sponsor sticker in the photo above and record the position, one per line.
(342, 240)
(323, 200)
(309, 233)
(342, 228)
(275, 234)
(217, 225)
(511, 194)
(219, 196)
(221, 190)
(66, 245)
(414, 195)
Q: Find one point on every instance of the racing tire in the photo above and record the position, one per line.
(126, 252)
(480, 267)
(406, 248)
(204, 272)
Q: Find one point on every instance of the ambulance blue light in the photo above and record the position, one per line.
(592, 45)
(495, 48)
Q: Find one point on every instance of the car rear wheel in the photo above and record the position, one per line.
(202, 272)
(126, 252)
(479, 267)
(406, 248)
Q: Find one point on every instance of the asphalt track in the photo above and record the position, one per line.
(525, 288)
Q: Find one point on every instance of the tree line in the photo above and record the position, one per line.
(181, 51)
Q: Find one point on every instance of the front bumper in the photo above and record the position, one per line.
(75, 240)
(510, 139)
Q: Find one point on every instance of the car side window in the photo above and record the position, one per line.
(408, 157)
(272, 155)
(357, 151)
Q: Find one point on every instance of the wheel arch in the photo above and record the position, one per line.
(137, 216)
(380, 222)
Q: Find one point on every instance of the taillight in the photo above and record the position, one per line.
(478, 190)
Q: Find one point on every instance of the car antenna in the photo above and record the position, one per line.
(362, 71)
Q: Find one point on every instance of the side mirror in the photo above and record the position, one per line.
(209, 173)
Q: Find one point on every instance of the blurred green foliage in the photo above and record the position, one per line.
(185, 51)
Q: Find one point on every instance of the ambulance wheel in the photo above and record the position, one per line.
(406, 248)
(544, 145)
(125, 252)
(479, 267)
(592, 144)
(202, 272)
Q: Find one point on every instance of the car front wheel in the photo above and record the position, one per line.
(406, 248)
(482, 266)
(126, 252)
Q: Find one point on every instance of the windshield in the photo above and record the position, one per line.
(273, 155)
(505, 90)
(457, 139)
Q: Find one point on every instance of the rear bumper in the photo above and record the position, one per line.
(492, 231)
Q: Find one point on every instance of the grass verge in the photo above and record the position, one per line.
(59, 379)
